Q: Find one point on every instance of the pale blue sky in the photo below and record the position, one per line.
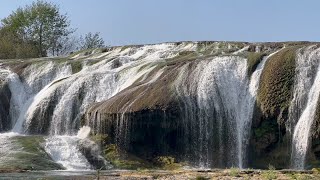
(150, 21)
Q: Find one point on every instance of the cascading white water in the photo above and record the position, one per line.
(24, 92)
(307, 62)
(64, 150)
(118, 70)
(248, 108)
(49, 94)
(218, 94)
(304, 103)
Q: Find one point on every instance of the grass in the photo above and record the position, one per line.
(295, 176)
(270, 173)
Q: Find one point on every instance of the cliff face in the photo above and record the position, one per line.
(210, 104)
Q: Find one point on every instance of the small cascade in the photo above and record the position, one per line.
(65, 150)
(247, 111)
(304, 104)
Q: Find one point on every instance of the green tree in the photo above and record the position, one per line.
(91, 40)
(41, 23)
(13, 46)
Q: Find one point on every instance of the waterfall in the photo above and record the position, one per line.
(303, 106)
(215, 94)
(117, 70)
(218, 101)
(48, 99)
(24, 91)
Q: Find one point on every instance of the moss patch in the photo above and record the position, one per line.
(276, 84)
(273, 100)
(76, 65)
(253, 61)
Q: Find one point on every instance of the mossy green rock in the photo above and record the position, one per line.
(276, 84)
(27, 153)
(271, 113)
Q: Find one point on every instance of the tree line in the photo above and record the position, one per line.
(40, 30)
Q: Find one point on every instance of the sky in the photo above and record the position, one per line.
(124, 22)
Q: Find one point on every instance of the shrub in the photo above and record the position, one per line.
(234, 172)
(167, 162)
